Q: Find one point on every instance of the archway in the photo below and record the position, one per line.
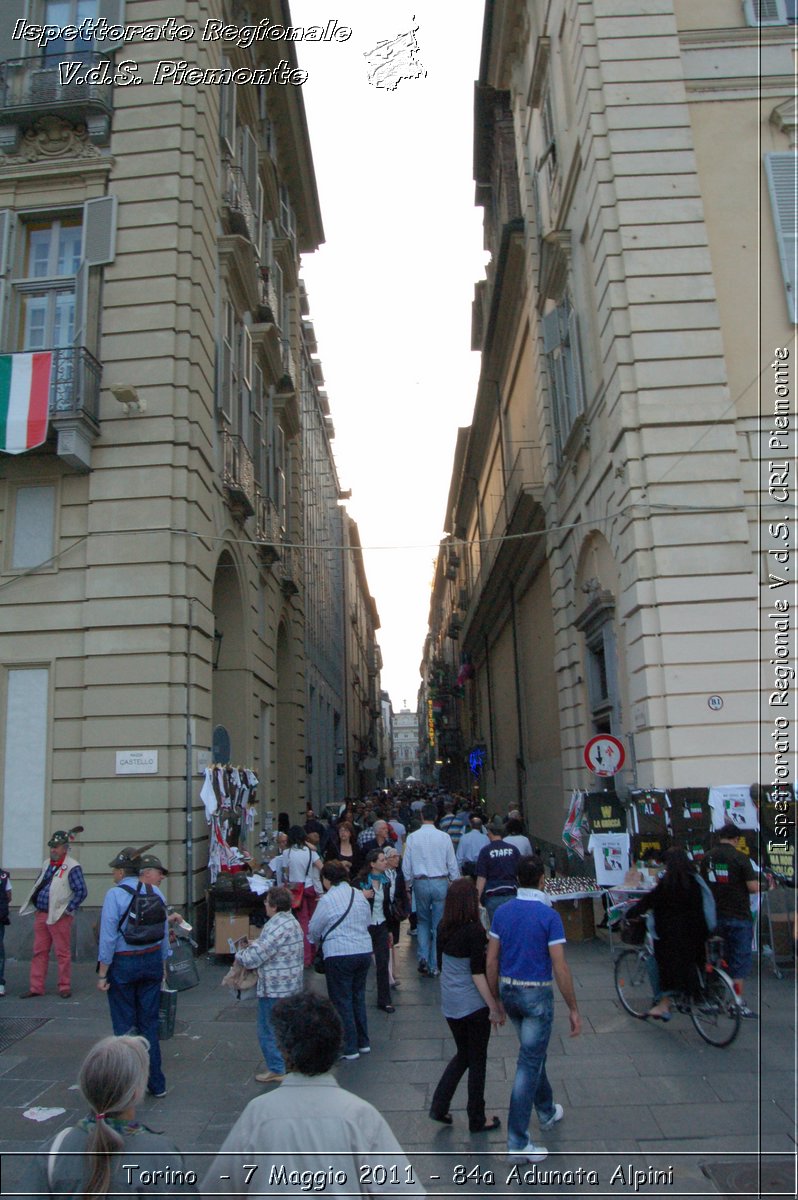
(229, 681)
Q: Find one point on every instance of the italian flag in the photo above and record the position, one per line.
(24, 400)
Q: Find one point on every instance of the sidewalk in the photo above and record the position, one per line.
(637, 1097)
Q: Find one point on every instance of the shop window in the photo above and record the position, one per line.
(32, 541)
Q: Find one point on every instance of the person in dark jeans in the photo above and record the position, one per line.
(374, 885)
(467, 1004)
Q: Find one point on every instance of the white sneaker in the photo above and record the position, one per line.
(2, 989)
(530, 1153)
(364, 1049)
(552, 1121)
(350, 1057)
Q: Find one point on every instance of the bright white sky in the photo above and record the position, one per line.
(390, 292)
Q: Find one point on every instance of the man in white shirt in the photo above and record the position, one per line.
(514, 834)
(429, 864)
(470, 845)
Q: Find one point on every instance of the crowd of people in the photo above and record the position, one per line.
(468, 889)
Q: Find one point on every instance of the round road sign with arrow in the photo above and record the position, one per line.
(604, 755)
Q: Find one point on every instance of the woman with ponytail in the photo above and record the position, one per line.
(85, 1160)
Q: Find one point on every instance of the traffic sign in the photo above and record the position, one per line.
(604, 755)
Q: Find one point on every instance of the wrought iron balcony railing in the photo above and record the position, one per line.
(267, 528)
(29, 85)
(238, 475)
(237, 200)
(75, 384)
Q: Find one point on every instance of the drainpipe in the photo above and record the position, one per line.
(189, 774)
(520, 764)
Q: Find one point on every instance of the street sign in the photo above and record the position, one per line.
(604, 755)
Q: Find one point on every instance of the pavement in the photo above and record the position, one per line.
(650, 1110)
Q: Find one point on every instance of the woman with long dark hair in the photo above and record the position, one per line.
(342, 846)
(680, 930)
(467, 1004)
(86, 1159)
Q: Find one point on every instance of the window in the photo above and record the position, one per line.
(770, 12)
(46, 286)
(25, 766)
(782, 176)
(564, 360)
(60, 14)
(34, 527)
(235, 374)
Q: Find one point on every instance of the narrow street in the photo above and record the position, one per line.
(655, 1101)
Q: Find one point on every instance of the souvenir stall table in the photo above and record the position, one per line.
(573, 896)
(235, 908)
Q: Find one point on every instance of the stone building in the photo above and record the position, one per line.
(636, 167)
(152, 605)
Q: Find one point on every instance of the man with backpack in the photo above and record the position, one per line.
(134, 944)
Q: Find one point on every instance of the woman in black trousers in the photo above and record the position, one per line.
(467, 1004)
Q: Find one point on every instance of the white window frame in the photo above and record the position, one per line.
(775, 12)
(562, 349)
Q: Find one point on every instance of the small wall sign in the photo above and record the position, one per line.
(715, 703)
(137, 762)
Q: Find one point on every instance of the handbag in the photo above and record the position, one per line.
(181, 968)
(240, 977)
(167, 1014)
(297, 890)
(318, 962)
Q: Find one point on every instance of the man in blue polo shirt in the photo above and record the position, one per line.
(526, 954)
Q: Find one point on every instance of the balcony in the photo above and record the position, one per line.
(238, 476)
(267, 529)
(31, 88)
(287, 571)
(74, 403)
(238, 208)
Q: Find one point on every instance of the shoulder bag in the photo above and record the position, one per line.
(297, 890)
(318, 961)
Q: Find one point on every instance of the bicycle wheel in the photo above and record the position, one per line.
(715, 1012)
(632, 982)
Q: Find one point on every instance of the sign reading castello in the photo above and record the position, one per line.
(137, 762)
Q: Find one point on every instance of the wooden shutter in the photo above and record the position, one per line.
(782, 177)
(114, 13)
(765, 12)
(81, 304)
(227, 113)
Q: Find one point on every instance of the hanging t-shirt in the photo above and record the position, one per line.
(611, 857)
(733, 802)
(649, 809)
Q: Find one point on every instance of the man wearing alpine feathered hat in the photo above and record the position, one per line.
(55, 897)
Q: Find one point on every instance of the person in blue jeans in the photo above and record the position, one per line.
(131, 972)
(526, 956)
(340, 925)
(278, 956)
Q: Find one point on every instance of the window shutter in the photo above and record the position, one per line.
(249, 163)
(577, 390)
(227, 113)
(99, 231)
(6, 215)
(782, 177)
(114, 13)
(551, 331)
(765, 12)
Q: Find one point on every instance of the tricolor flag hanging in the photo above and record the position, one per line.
(24, 400)
(574, 824)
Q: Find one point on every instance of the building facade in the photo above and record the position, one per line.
(405, 745)
(603, 517)
(154, 593)
(324, 572)
(365, 762)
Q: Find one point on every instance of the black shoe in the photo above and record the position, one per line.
(423, 969)
(445, 1118)
(389, 1008)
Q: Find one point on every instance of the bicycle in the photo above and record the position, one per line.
(714, 1010)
